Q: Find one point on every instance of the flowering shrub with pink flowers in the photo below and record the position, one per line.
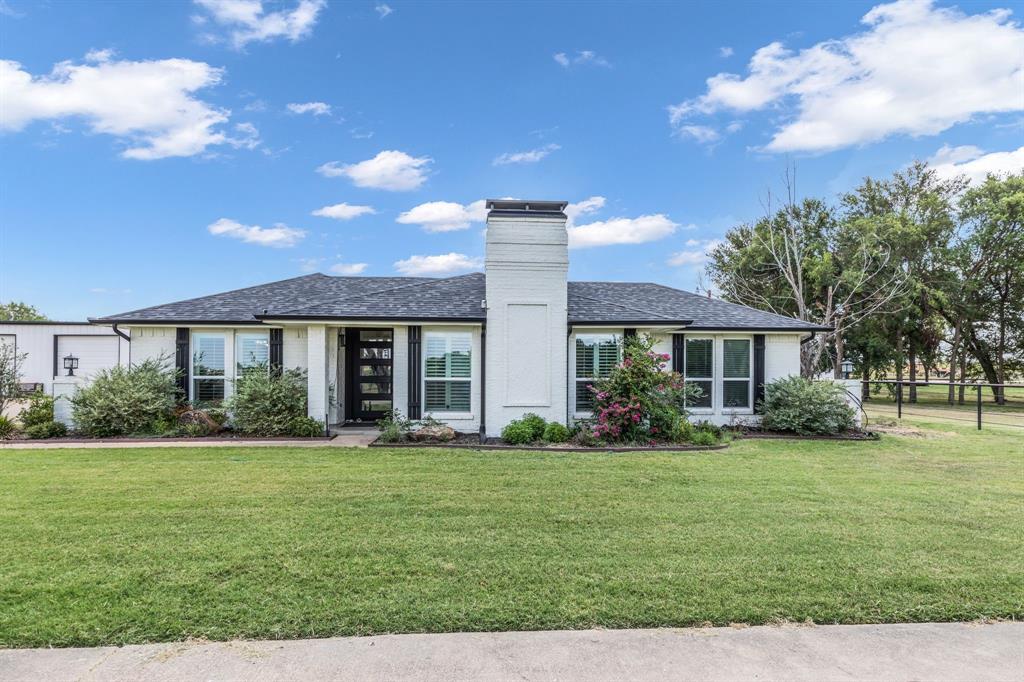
(641, 401)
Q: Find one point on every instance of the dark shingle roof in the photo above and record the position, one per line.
(595, 302)
(453, 299)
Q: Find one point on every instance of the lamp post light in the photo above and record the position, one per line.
(70, 364)
(846, 368)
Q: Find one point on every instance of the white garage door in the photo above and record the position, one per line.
(8, 339)
(93, 352)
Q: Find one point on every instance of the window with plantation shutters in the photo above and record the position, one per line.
(596, 355)
(252, 350)
(736, 373)
(447, 371)
(208, 365)
(699, 370)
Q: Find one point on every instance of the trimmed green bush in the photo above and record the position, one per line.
(306, 427)
(556, 433)
(7, 428)
(518, 432)
(535, 423)
(46, 430)
(268, 403)
(806, 407)
(123, 401)
(39, 410)
(703, 438)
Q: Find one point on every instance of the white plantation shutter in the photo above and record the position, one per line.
(699, 369)
(251, 350)
(447, 371)
(208, 365)
(596, 356)
(736, 373)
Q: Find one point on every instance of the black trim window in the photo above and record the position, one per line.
(700, 370)
(208, 367)
(252, 349)
(735, 373)
(447, 371)
(596, 355)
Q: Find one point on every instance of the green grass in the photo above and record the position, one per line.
(117, 546)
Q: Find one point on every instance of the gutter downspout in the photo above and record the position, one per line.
(483, 382)
(808, 339)
(121, 333)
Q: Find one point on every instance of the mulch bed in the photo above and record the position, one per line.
(161, 439)
(782, 435)
(471, 441)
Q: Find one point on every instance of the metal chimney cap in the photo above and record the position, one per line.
(527, 206)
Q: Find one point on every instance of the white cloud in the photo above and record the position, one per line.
(645, 228)
(343, 211)
(444, 216)
(99, 56)
(348, 268)
(315, 108)
(702, 134)
(247, 21)
(591, 205)
(950, 162)
(279, 236)
(309, 264)
(383, 10)
(693, 256)
(725, 52)
(445, 264)
(581, 58)
(532, 156)
(390, 170)
(914, 70)
(149, 104)
(257, 105)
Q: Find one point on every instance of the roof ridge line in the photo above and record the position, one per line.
(371, 293)
(738, 305)
(620, 305)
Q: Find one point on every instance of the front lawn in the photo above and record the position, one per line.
(117, 545)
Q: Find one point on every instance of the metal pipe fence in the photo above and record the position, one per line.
(1004, 406)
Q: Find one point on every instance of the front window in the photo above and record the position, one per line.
(736, 373)
(699, 369)
(252, 349)
(207, 367)
(447, 371)
(596, 355)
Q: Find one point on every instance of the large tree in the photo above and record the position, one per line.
(801, 261)
(17, 311)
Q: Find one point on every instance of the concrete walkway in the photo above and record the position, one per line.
(930, 651)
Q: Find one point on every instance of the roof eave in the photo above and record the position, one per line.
(371, 318)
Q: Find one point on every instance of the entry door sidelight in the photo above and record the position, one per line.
(371, 364)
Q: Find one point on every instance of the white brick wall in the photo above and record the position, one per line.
(526, 265)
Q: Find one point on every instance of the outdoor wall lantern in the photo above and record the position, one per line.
(846, 367)
(70, 364)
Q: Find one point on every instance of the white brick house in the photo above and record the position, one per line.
(476, 350)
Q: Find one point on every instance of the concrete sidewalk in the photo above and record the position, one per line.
(930, 651)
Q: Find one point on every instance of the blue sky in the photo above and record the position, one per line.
(148, 151)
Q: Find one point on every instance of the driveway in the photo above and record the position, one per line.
(930, 651)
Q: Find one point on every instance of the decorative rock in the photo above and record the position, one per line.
(434, 432)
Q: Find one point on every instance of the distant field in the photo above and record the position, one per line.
(933, 403)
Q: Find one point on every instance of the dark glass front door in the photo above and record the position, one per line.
(370, 353)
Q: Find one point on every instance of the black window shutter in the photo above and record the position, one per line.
(677, 352)
(276, 351)
(181, 360)
(629, 332)
(415, 363)
(758, 372)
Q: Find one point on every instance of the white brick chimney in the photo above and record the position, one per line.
(526, 268)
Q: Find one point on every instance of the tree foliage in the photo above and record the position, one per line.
(17, 311)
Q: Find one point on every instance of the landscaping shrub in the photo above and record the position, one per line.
(120, 401)
(639, 401)
(7, 428)
(268, 403)
(50, 429)
(703, 438)
(806, 407)
(306, 427)
(518, 432)
(39, 410)
(536, 424)
(11, 365)
(394, 428)
(556, 433)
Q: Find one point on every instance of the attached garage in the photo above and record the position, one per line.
(93, 353)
